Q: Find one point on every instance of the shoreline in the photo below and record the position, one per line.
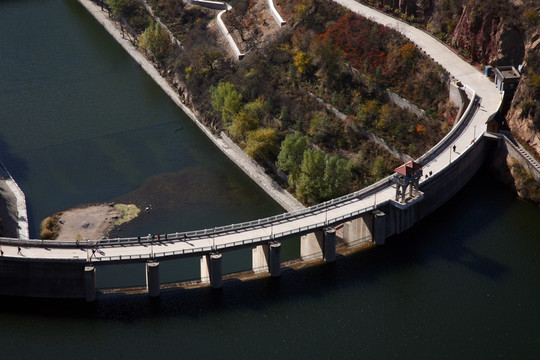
(90, 221)
(235, 154)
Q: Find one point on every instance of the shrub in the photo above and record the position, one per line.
(155, 41)
(262, 143)
(49, 228)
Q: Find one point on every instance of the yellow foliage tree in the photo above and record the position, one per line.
(302, 61)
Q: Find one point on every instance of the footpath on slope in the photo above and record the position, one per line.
(248, 166)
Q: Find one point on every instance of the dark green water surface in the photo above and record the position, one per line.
(81, 123)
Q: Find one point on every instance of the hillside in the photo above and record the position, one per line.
(489, 32)
(306, 94)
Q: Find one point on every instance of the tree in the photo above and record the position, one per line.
(241, 125)
(155, 41)
(257, 108)
(379, 169)
(310, 181)
(226, 100)
(323, 129)
(262, 143)
(120, 7)
(302, 61)
(337, 177)
(291, 155)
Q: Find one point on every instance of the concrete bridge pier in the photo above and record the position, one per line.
(267, 258)
(90, 283)
(329, 252)
(368, 227)
(357, 230)
(320, 244)
(379, 227)
(152, 278)
(211, 270)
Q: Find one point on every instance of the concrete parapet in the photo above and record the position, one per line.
(438, 189)
(516, 151)
(215, 5)
(152, 278)
(90, 283)
(275, 13)
(458, 97)
(239, 55)
(211, 270)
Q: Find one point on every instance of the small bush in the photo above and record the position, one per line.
(49, 228)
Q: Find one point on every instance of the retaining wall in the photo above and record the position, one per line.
(515, 150)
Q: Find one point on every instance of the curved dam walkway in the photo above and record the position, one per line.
(68, 269)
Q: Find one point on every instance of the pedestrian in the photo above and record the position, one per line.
(19, 250)
(454, 147)
(1, 252)
(185, 237)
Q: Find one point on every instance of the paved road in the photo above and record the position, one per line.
(303, 220)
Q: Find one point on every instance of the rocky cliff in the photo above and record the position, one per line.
(496, 33)
(489, 32)
(524, 115)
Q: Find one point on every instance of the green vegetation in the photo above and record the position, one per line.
(322, 177)
(226, 100)
(314, 175)
(129, 212)
(267, 102)
(262, 143)
(155, 41)
(130, 12)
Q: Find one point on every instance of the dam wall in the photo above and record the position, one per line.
(41, 278)
(438, 189)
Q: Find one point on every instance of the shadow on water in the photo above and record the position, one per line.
(443, 235)
(17, 166)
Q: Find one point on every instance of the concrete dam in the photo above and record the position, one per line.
(41, 268)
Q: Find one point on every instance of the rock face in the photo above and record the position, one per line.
(490, 33)
(527, 125)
